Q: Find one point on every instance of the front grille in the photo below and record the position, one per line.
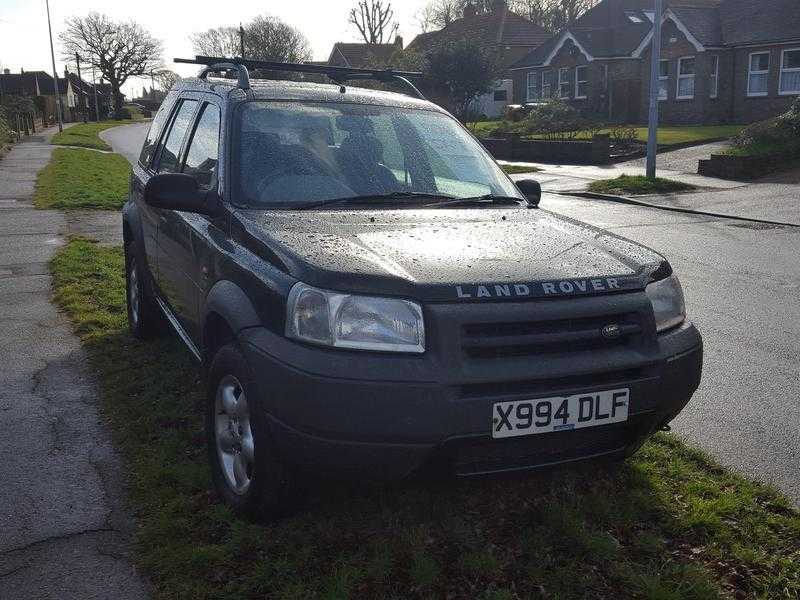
(486, 455)
(499, 340)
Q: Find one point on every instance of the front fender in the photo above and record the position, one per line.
(229, 301)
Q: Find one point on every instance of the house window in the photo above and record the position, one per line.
(533, 90)
(500, 96)
(685, 78)
(713, 84)
(547, 85)
(790, 71)
(581, 82)
(758, 74)
(563, 83)
(663, 79)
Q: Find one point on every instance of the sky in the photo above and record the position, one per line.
(24, 42)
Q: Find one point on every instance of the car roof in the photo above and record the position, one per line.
(264, 89)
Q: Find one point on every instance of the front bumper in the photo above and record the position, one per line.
(383, 417)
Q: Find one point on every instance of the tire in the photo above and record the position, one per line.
(247, 470)
(144, 317)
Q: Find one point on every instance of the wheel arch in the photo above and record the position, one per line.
(227, 311)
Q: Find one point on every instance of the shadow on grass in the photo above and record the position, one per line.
(666, 524)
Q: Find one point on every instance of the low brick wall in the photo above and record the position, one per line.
(725, 166)
(513, 148)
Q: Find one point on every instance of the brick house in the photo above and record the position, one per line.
(500, 31)
(722, 61)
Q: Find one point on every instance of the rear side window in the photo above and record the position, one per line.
(203, 155)
(169, 161)
(149, 148)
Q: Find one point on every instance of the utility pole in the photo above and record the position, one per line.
(96, 105)
(59, 108)
(652, 124)
(241, 40)
(80, 81)
(152, 85)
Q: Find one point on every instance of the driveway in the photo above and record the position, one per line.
(65, 531)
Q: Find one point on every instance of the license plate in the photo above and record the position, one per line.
(562, 413)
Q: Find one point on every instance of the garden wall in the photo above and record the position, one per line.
(726, 166)
(514, 148)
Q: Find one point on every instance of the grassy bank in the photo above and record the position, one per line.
(668, 524)
(638, 185)
(667, 136)
(85, 135)
(82, 179)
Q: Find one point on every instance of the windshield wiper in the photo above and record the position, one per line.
(378, 199)
(486, 199)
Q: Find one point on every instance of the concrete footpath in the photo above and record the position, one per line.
(65, 531)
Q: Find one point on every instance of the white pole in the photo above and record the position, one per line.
(652, 124)
(55, 73)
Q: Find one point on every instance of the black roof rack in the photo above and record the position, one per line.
(216, 64)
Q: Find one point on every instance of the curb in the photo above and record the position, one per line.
(627, 200)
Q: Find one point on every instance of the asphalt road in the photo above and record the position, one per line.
(742, 285)
(127, 139)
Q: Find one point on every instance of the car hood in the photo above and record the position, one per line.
(474, 254)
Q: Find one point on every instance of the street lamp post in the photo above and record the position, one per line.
(652, 125)
(96, 105)
(59, 108)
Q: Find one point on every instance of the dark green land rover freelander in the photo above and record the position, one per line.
(370, 294)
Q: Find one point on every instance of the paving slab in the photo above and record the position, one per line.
(65, 530)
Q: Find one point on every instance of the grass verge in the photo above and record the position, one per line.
(517, 169)
(82, 179)
(637, 185)
(85, 135)
(668, 524)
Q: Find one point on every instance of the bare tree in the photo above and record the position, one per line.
(374, 21)
(119, 50)
(221, 41)
(268, 38)
(265, 38)
(553, 15)
(166, 79)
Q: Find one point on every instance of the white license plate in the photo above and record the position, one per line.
(544, 415)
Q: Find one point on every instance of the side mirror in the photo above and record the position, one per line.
(179, 191)
(531, 190)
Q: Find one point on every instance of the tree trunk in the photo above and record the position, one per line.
(115, 91)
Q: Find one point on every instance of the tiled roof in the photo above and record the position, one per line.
(759, 21)
(702, 22)
(617, 27)
(25, 83)
(500, 27)
(362, 55)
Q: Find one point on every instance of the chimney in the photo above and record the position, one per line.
(470, 11)
(398, 41)
(499, 6)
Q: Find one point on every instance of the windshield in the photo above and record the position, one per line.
(291, 154)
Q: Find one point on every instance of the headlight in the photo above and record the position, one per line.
(357, 322)
(669, 308)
